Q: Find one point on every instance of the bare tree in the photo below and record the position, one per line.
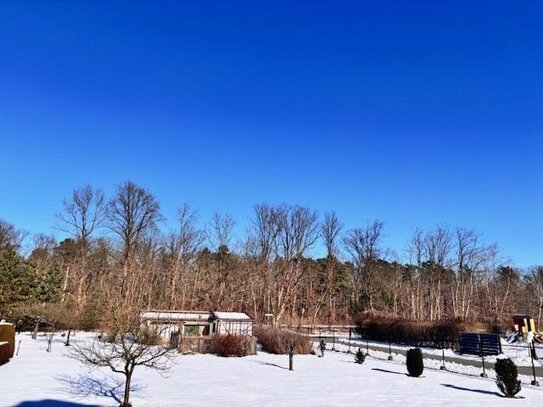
(182, 246)
(470, 256)
(130, 345)
(82, 214)
(534, 280)
(330, 230)
(132, 213)
(364, 246)
(221, 230)
(10, 236)
(298, 230)
(438, 246)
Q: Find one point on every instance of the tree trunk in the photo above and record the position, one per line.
(126, 400)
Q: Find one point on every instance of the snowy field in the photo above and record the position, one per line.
(519, 353)
(261, 380)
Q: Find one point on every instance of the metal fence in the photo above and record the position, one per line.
(349, 340)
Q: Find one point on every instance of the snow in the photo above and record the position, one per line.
(260, 380)
(232, 316)
(175, 315)
(519, 353)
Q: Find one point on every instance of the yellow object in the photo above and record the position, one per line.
(524, 324)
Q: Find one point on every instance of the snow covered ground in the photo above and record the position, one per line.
(518, 353)
(261, 380)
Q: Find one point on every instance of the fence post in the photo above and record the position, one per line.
(389, 351)
(367, 346)
(482, 356)
(349, 351)
(532, 354)
(442, 367)
(333, 339)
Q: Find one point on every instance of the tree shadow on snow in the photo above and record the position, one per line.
(389, 371)
(492, 393)
(272, 364)
(86, 385)
(52, 403)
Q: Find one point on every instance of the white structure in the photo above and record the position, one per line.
(198, 323)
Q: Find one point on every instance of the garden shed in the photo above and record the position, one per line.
(193, 330)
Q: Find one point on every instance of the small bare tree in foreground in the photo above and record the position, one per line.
(129, 345)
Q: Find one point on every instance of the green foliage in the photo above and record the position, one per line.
(506, 377)
(415, 365)
(17, 280)
(26, 282)
(359, 356)
(91, 314)
(49, 280)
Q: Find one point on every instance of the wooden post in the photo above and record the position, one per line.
(532, 355)
(482, 357)
(290, 356)
(36, 327)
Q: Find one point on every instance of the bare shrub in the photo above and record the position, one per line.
(417, 333)
(277, 341)
(229, 345)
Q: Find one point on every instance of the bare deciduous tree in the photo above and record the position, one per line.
(182, 247)
(330, 230)
(132, 213)
(364, 246)
(82, 214)
(129, 345)
(221, 230)
(10, 236)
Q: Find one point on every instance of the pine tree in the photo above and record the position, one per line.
(17, 282)
(506, 377)
(415, 365)
(359, 356)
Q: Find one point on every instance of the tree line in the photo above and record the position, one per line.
(114, 250)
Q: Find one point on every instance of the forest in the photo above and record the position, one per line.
(113, 249)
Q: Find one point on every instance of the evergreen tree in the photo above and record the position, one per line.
(415, 365)
(17, 281)
(359, 356)
(506, 377)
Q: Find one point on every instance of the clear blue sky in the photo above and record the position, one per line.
(413, 112)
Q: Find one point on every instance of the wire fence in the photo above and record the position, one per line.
(439, 354)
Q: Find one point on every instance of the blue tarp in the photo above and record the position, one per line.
(480, 344)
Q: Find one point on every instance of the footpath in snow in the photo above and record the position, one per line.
(261, 380)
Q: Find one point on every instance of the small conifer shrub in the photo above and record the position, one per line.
(415, 365)
(359, 356)
(506, 377)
